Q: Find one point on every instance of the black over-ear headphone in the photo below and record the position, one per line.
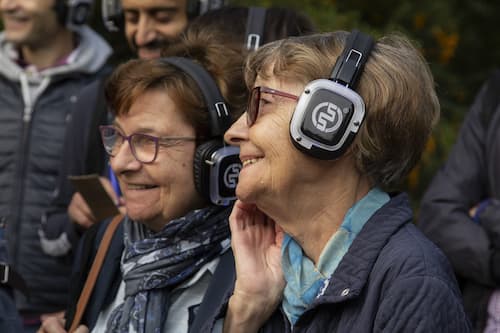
(216, 166)
(73, 13)
(329, 112)
(112, 13)
(256, 21)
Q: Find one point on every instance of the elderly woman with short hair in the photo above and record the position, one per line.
(334, 122)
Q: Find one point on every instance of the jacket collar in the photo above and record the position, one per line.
(352, 273)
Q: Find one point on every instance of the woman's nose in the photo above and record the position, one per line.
(237, 132)
(124, 159)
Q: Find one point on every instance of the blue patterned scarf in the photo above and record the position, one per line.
(155, 263)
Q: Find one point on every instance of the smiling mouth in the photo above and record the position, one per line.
(250, 161)
(140, 187)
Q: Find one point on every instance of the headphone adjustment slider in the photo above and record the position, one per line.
(349, 69)
(253, 42)
(221, 109)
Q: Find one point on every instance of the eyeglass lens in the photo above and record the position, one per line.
(253, 106)
(143, 147)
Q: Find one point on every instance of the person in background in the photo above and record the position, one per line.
(460, 210)
(321, 239)
(47, 56)
(252, 27)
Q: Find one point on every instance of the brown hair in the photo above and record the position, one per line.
(396, 85)
(222, 62)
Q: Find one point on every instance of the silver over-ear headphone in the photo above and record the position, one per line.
(329, 112)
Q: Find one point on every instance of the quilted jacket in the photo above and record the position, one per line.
(392, 279)
(35, 107)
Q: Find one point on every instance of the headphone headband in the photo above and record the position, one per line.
(330, 112)
(350, 64)
(219, 112)
(255, 27)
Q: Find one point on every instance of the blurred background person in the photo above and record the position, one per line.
(460, 210)
(319, 242)
(252, 27)
(47, 56)
(152, 25)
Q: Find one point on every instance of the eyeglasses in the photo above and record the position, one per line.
(255, 98)
(144, 147)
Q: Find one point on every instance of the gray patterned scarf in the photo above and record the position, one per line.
(155, 263)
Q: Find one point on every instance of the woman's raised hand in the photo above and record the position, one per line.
(256, 243)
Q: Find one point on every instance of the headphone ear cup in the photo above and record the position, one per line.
(72, 14)
(79, 13)
(326, 119)
(201, 168)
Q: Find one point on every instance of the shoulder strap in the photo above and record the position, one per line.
(491, 99)
(220, 288)
(94, 271)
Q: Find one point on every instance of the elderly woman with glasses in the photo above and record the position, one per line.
(334, 122)
(170, 115)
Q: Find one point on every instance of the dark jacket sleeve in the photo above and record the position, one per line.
(457, 187)
(83, 154)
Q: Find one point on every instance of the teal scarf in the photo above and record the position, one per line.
(304, 280)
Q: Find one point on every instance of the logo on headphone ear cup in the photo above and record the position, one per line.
(216, 171)
(325, 119)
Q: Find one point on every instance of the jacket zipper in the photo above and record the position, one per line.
(18, 197)
(20, 179)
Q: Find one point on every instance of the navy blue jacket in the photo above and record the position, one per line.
(392, 279)
(471, 175)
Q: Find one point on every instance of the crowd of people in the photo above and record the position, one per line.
(253, 164)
